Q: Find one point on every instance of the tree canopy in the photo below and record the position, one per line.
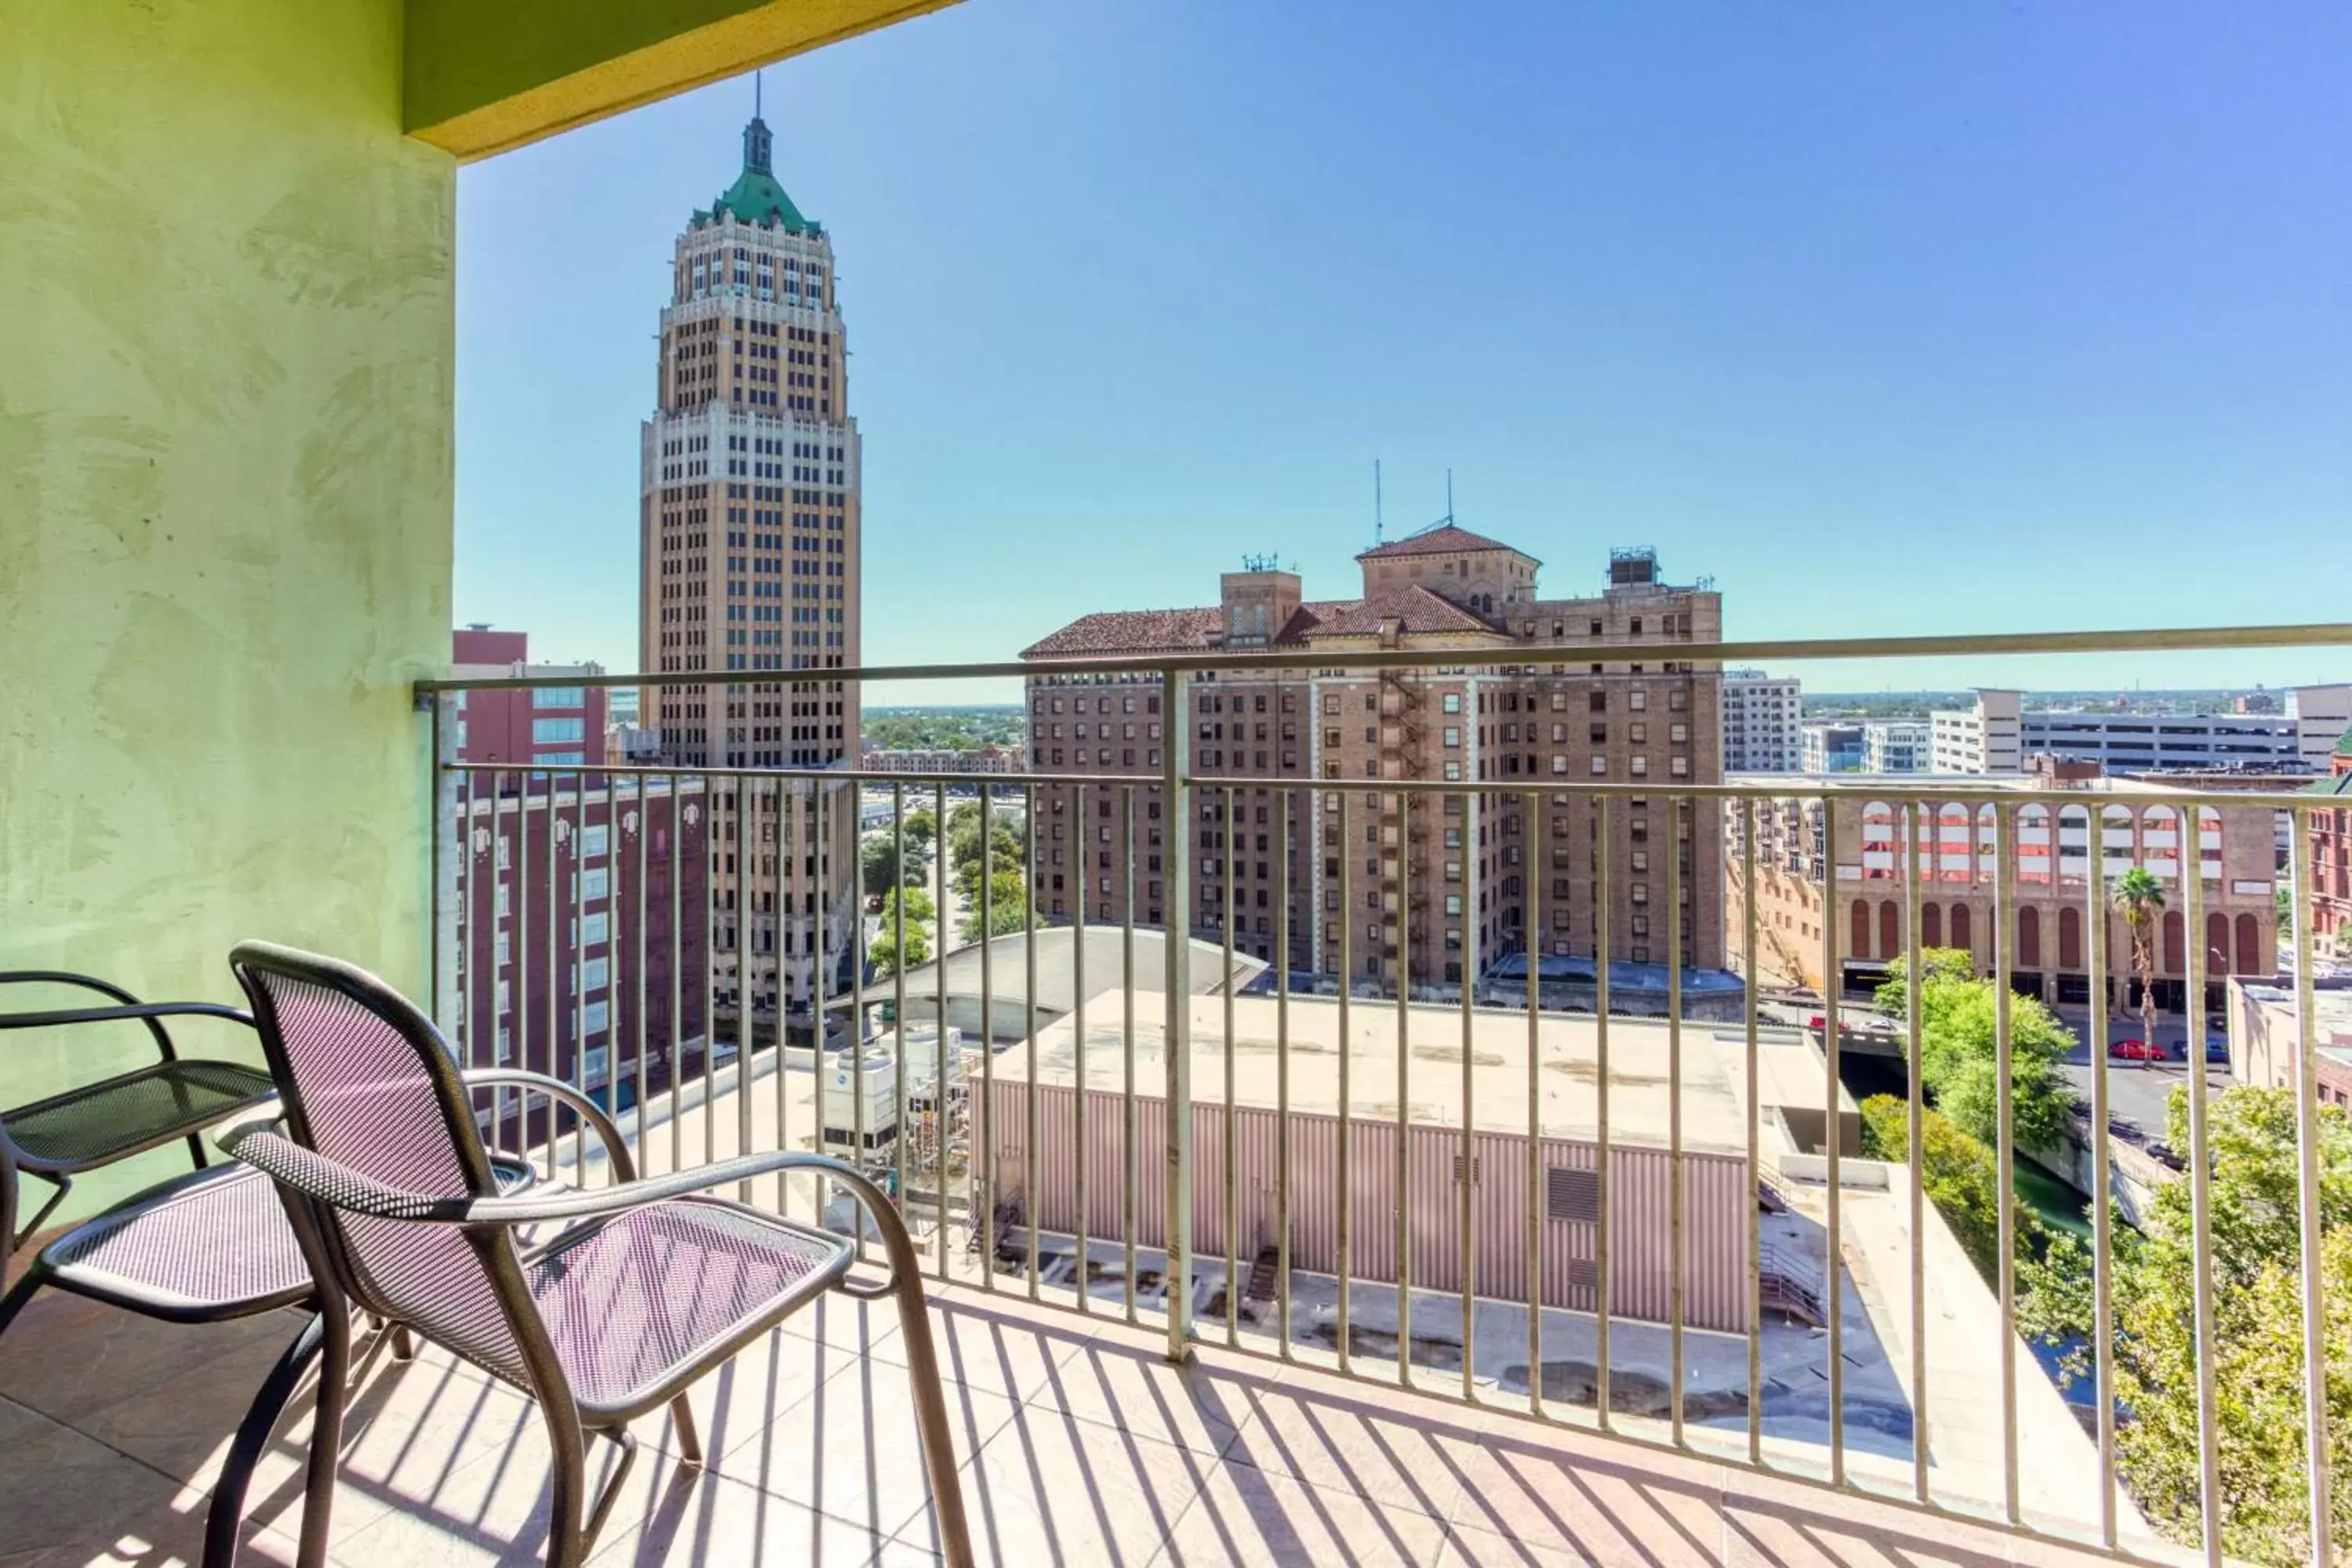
(2255, 1233)
(1008, 908)
(1960, 1049)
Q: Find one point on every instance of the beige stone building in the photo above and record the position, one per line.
(1958, 853)
(1545, 696)
(749, 551)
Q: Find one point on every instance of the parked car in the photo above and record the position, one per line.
(2165, 1155)
(1818, 1021)
(2217, 1050)
(2135, 1050)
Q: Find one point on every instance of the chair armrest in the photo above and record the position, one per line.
(331, 1182)
(155, 1029)
(587, 1205)
(56, 1016)
(896, 1245)
(334, 1184)
(616, 1148)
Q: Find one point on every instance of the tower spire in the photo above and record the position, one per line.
(758, 146)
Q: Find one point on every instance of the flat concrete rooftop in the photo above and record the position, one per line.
(1565, 1050)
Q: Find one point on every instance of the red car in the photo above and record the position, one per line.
(2135, 1051)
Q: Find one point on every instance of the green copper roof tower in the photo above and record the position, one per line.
(755, 197)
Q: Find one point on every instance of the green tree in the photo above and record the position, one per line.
(921, 910)
(1960, 1050)
(2257, 1331)
(1008, 908)
(880, 866)
(2284, 899)
(883, 952)
(1937, 964)
(1956, 1173)
(921, 830)
(2139, 897)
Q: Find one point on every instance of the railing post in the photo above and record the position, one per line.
(1175, 733)
(447, 849)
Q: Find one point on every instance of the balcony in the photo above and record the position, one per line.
(1335, 1358)
(1081, 1445)
(1339, 1267)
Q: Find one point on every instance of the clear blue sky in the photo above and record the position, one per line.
(1888, 318)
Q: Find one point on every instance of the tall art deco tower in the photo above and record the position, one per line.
(749, 537)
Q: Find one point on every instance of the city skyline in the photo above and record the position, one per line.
(2074, 316)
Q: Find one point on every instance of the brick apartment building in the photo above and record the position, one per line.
(1961, 884)
(2331, 854)
(549, 727)
(551, 912)
(750, 555)
(1544, 692)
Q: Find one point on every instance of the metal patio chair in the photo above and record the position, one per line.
(98, 1124)
(209, 1245)
(613, 1317)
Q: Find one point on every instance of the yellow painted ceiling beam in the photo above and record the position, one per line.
(484, 75)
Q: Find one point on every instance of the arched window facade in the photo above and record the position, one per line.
(2028, 938)
(2069, 938)
(1860, 935)
(2073, 844)
(2217, 944)
(1952, 834)
(2171, 954)
(1962, 937)
(1880, 842)
(2250, 945)
(2035, 847)
(1931, 925)
(2159, 842)
(1890, 929)
(2118, 849)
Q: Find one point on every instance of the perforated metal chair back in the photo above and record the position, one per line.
(368, 1083)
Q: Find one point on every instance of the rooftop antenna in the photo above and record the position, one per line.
(755, 93)
(1449, 495)
(1379, 525)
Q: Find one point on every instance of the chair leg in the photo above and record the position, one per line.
(567, 1543)
(404, 1346)
(625, 1440)
(938, 1435)
(689, 1441)
(326, 1435)
(226, 1511)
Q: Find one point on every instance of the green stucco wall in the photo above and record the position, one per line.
(226, 351)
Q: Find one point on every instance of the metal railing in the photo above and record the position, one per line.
(1025, 1169)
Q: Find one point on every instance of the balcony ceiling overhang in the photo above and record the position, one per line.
(482, 77)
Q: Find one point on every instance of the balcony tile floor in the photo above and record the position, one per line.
(1080, 1445)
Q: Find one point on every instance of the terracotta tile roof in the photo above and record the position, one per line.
(1447, 540)
(1170, 631)
(1131, 631)
(1417, 607)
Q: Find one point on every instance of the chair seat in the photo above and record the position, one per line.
(639, 1305)
(209, 1245)
(85, 1128)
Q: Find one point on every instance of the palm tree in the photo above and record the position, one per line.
(2139, 897)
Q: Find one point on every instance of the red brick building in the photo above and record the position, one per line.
(551, 906)
(561, 726)
(1545, 691)
(2331, 854)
